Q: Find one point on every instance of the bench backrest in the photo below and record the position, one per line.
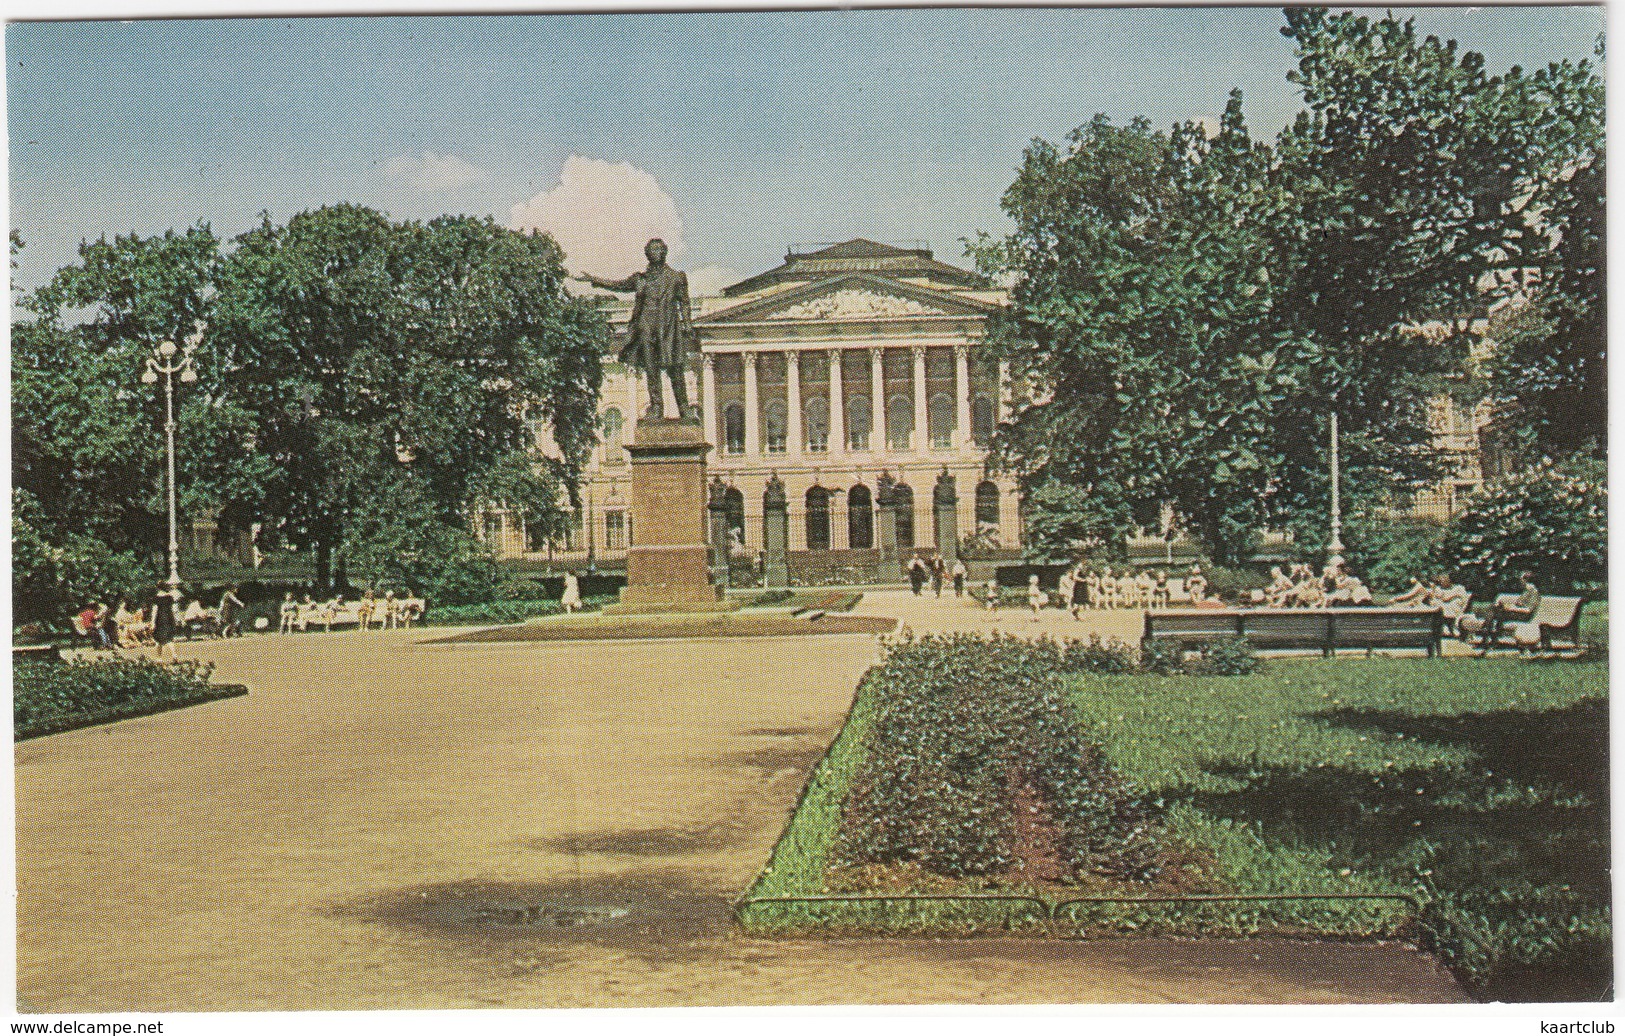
(1301, 626)
(1556, 612)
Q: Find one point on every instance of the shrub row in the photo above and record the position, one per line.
(977, 758)
(497, 613)
(50, 697)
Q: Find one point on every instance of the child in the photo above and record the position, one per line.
(1036, 597)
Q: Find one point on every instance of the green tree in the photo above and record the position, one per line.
(1550, 518)
(1187, 312)
(389, 362)
(87, 436)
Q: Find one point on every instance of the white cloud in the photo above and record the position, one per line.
(602, 214)
(431, 173)
(710, 280)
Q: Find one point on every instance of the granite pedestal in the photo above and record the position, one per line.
(667, 566)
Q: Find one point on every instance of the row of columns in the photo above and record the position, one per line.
(712, 414)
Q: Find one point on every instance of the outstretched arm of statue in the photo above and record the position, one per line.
(630, 284)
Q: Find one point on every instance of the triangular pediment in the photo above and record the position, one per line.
(851, 297)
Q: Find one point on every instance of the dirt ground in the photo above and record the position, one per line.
(384, 824)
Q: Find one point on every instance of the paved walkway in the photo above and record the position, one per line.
(353, 834)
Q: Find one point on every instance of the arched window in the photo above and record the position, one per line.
(733, 428)
(733, 502)
(981, 420)
(905, 515)
(899, 422)
(815, 424)
(776, 417)
(615, 530)
(941, 417)
(859, 422)
(987, 511)
(860, 518)
(817, 518)
(612, 422)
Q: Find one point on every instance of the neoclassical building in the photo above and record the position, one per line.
(845, 363)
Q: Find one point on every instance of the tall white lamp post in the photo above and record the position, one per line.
(167, 359)
(1335, 547)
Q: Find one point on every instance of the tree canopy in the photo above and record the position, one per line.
(355, 375)
(1187, 310)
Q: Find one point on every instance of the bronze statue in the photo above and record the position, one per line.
(660, 335)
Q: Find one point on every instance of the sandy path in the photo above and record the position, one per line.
(329, 841)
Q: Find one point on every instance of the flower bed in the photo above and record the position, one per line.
(981, 768)
(52, 697)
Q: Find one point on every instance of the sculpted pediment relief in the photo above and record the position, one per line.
(853, 303)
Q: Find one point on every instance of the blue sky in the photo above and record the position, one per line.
(759, 129)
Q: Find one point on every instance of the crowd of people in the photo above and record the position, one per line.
(371, 611)
(156, 622)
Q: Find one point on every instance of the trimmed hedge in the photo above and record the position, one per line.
(52, 697)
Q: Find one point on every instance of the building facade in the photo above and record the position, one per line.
(846, 364)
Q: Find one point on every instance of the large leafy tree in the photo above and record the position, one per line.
(390, 368)
(1189, 312)
(87, 436)
(361, 382)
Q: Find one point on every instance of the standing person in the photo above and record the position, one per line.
(990, 596)
(1080, 593)
(391, 610)
(1091, 589)
(1063, 590)
(230, 626)
(916, 574)
(1145, 584)
(288, 612)
(1036, 597)
(1108, 588)
(571, 598)
(163, 624)
(938, 570)
(960, 573)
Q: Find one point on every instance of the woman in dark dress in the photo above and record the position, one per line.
(163, 624)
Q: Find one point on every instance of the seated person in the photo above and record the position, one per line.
(1350, 592)
(1309, 593)
(1520, 615)
(1196, 585)
(1162, 595)
(1452, 598)
(1145, 585)
(1419, 595)
(1279, 588)
(195, 617)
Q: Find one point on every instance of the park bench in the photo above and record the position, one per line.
(1326, 629)
(407, 611)
(1557, 617)
(35, 653)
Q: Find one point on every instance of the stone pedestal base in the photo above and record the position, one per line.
(667, 566)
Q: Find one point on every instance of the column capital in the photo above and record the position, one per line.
(877, 353)
(961, 352)
(709, 359)
(749, 356)
(793, 357)
(918, 351)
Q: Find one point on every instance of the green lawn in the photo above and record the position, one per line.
(1480, 786)
(1477, 788)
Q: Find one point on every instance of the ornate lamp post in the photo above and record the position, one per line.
(1334, 548)
(169, 360)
